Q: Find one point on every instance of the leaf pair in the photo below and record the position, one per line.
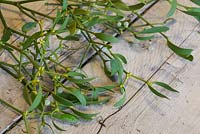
(163, 85)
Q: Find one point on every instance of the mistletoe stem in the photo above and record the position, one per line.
(11, 106)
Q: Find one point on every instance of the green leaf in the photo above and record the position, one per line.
(117, 67)
(93, 21)
(196, 2)
(105, 88)
(64, 25)
(57, 127)
(115, 10)
(121, 57)
(62, 100)
(30, 40)
(57, 19)
(136, 7)
(81, 81)
(106, 37)
(72, 74)
(64, 6)
(156, 29)
(98, 101)
(173, 8)
(66, 117)
(6, 35)
(79, 11)
(83, 115)
(26, 95)
(28, 26)
(121, 101)
(156, 92)
(99, 90)
(77, 93)
(182, 52)
(72, 28)
(120, 5)
(192, 12)
(36, 101)
(166, 86)
(143, 38)
(69, 38)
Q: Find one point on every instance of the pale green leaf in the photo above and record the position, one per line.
(155, 29)
(106, 37)
(36, 101)
(28, 26)
(182, 52)
(173, 8)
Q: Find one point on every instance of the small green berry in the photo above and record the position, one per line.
(119, 24)
(126, 24)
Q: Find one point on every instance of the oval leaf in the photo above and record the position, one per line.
(120, 5)
(156, 29)
(121, 57)
(83, 115)
(173, 8)
(154, 91)
(28, 26)
(166, 86)
(6, 35)
(143, 38)
(136, 7)
(182, 52)
(106, 37)
(77, 93)
(57, 127)
(62, 100)
(196, 2)
(36, 101)
(66, 117)
(121, 101)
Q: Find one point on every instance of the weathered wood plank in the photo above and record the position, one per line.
(143, 62)
(149, 114)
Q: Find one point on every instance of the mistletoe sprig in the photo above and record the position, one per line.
(34, 61)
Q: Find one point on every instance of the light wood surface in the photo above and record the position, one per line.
(146, 113)
(11, 89)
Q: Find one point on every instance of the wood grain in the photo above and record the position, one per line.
(11, 89)
(145, 59)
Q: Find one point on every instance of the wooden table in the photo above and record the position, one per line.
(145, 113)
